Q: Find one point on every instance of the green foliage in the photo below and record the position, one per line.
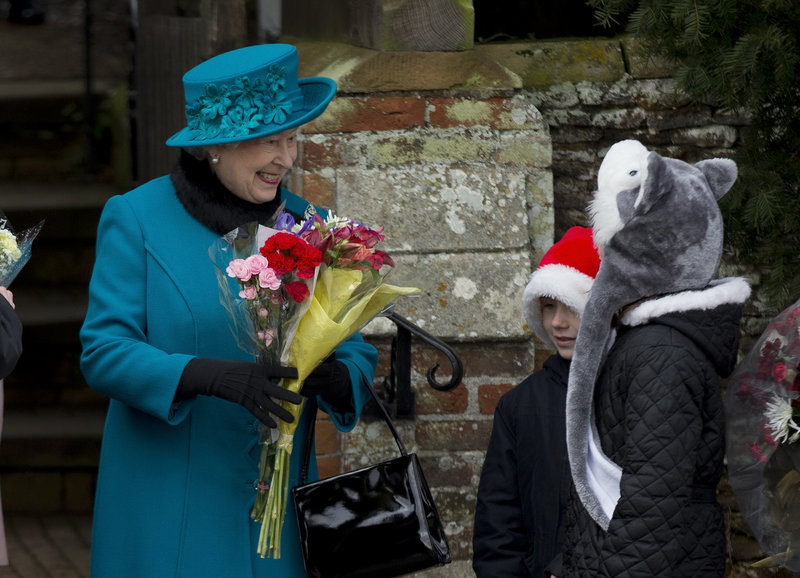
(742, 55)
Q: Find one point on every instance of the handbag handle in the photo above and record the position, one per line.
(309, 442)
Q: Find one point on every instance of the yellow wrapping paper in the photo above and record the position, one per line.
(333, 316)
(339, 307)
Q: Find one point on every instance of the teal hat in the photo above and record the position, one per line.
(248, 93)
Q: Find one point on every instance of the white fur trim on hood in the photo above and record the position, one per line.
(730, 290)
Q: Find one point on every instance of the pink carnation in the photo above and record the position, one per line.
(256, 264)
(267, 336)
(238, 268)
(248, 292)
(268, 279)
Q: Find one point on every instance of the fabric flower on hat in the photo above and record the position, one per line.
(249, 93)
(236, 110)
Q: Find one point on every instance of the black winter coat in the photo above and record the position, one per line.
(525, 480)
(10, 338)
(659, 415)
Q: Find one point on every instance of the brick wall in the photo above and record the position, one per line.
(474, 163)
(453, 181)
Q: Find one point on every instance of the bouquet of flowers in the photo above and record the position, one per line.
(15, 249)
(763, 431)
(296, 292)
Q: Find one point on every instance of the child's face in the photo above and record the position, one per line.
(561, 325)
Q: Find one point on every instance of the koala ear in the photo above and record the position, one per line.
(655, 185)
(720, 174)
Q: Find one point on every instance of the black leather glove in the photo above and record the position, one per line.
(251, 385)
(331, 380)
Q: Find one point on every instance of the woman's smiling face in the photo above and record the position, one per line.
(253, 169)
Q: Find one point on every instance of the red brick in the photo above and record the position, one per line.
(430, 401)
(377, 114)
(316, 156)
(457, 472)
(489, 395)
(384, 358)
(318, 190)
(326, 438)
(329, 466)
(497, 359)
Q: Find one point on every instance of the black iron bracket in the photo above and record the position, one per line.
(397, 385)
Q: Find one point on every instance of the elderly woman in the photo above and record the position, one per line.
(181, 443)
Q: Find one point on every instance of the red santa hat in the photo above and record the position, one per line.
(565, 273)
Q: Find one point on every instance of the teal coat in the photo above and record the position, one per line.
(175, 485)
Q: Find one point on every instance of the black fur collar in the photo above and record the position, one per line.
(208, 201)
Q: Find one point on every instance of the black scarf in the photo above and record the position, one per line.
(207, 200)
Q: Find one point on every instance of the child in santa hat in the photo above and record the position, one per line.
(525, 478)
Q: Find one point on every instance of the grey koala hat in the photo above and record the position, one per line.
(660, 230)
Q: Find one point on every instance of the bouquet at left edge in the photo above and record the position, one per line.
(15, 249)
(295, 292)
(763, 432)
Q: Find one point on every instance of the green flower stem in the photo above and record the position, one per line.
(269, 542)
(264, 474)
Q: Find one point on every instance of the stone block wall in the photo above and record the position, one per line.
(463, 190)
(474, 162)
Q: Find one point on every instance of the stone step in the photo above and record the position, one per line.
(42, 308)
(49, 459)
(54, 133)
(51, 289)
(51, 299)
(26, 91)
(49, 424)
(30, 196)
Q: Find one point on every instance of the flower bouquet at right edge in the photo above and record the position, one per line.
(15, 249)
(762, 406)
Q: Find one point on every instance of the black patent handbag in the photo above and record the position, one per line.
(377, 521)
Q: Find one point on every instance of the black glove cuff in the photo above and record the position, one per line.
(196, 379)
(340, 391)
(331, 381)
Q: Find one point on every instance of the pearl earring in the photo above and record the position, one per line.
(214, 160)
